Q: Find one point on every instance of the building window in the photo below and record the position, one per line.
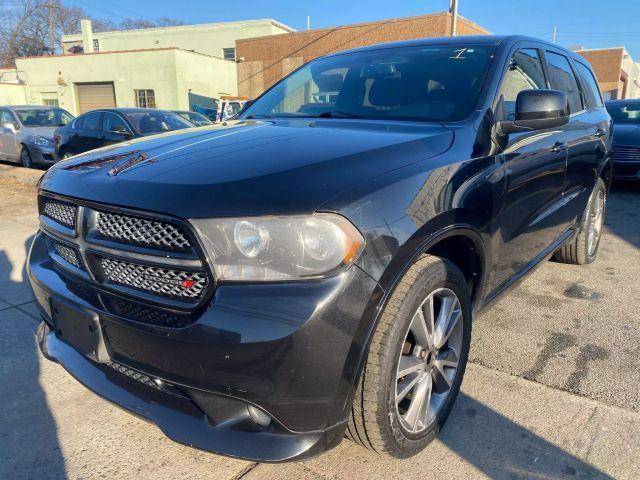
(96, 45)
(49, 99)
(145, 99)
(229, 54)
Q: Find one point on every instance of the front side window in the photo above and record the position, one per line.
(524, 73)
(429, 83)
(561, 78)
(114, 123)
(592, 92)
(145, 98)
(624, 112)
(43, 117)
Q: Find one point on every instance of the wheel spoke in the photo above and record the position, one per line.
(423, 387)
(448, 318)
(408, 364)
(444, 362)
(404, 387)
(424, 410)
(419, 329)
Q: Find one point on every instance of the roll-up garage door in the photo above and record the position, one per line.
(92, 96)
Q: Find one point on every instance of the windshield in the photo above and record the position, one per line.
(437, 83)
(196, 118)
(42, 117)
(624, 112)
(157, 122)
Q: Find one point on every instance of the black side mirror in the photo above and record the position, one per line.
(537, 110)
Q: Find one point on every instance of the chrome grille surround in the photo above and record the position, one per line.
(167, 282)
(141, 231)
(62, 212)
(622, 153)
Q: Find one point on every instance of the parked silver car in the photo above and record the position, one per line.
(26, 133)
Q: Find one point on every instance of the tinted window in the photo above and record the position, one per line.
(92, 121)
(5, 117)
(428, 83)
(524, 73)
(114, 123)
(78, 122)
(157, 122)
(591, 89)
(624, 112)
(561, 78)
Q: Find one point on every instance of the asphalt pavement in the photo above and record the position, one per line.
(552, 391)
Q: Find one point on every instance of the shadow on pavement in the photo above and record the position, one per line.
(620, 219)
(28, 441)
(502, 449)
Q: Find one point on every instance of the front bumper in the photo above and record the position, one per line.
(291, 349)
(43, 155)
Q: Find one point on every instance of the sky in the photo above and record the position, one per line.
(587, 23)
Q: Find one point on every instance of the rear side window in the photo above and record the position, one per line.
(524, 73)
(591, 90)
(561, 78)
(92, 121)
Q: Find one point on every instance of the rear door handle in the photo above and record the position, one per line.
(600, 132)
(559, 147)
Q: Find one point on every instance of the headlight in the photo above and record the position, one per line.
(41, 141)
(280, 248)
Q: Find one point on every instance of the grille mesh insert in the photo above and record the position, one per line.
(62, 212)
(137, 376)
(142, 231)
(138, 313)
(165, 282)
(68, 254)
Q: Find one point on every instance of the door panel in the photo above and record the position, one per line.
(8, 144)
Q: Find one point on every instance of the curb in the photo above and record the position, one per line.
(21, 175)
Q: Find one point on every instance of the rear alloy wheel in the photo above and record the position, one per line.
(416, 361)
(582, 249)
(25, 157)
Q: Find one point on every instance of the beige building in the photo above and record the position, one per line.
(169, 68)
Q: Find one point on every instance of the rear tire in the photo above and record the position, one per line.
(389, 415)
(582, 249)
(25, 157)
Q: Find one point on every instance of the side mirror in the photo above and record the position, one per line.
(10, 127)
(537, 110)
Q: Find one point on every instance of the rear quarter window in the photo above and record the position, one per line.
(591, 90)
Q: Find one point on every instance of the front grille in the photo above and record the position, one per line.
(67, 253)
(137, 376)
(622, 170)
(166, 282)
(61, 212)
(142, 231)
(626, 154)
(142, 314)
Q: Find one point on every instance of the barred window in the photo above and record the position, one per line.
(145, 99)
(229, 53)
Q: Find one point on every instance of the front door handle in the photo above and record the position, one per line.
(559, 147)
(600, 132)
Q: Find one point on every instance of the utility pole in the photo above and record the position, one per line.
(555, 32)
(453, 9)
(51, 27)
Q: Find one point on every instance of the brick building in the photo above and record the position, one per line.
(618, 75)
(265, 60)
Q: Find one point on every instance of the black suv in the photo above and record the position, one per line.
(263, 288)
(100, 128)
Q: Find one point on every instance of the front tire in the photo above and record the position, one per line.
(582, 249)
(416, 361)
(25, 157)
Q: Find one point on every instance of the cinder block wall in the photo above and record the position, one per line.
(265, 60)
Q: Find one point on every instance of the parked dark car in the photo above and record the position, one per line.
(100, 128)
(26, 133)
(196, 118)
(625, 115)
(261, 288)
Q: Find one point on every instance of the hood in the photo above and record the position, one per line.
(626, 134)
(245, 168)
(46, 132)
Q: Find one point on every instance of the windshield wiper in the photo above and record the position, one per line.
(338, 114)
(257, 115)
